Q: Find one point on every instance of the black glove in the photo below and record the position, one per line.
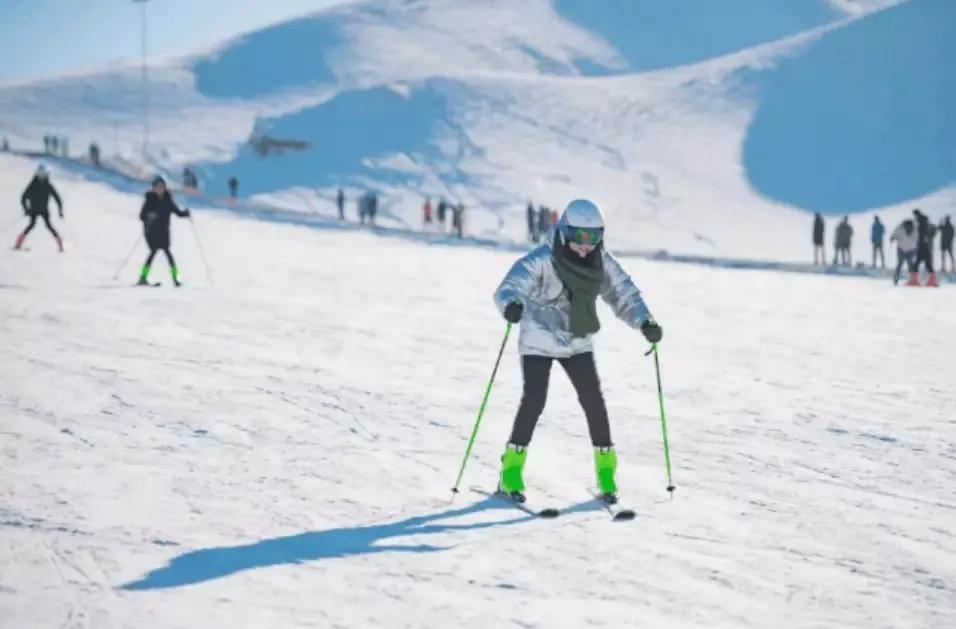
(652, 332)
(513, 311)
(188, 213)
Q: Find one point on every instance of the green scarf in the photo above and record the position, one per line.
(582, 277)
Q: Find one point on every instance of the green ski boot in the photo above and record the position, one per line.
(512, 465)
(143, 276)
(605, 464)
(174, 273)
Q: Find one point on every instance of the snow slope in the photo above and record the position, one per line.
(276, 449)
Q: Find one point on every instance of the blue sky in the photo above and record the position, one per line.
(49, 37)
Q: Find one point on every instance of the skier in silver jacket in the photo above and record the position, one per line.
(552, 292)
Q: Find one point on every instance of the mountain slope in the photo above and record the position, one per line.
(494, 103)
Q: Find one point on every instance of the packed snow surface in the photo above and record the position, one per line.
(275, 448)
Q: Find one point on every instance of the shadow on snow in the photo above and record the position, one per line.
(213, 563)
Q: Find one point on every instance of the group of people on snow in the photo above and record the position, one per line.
(914, 244)
(914, 241)
(842, 241)
(368, 207)
(539, 221)
(55, 145)
(435, 217)
(155, 213)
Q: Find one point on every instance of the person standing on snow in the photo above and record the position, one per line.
(877, 232)
(440, 214)
(340, 204)
(906, 245)
(544, 222)
(233, 187)
(372, 207)
(552, 291)
(844, 237)
(946, 244)
(427, 213)
(458, 218)
(532, 223)
(155, 215)
(925, 231)
(818, 230)
(36, 201)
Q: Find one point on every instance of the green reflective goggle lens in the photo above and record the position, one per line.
(584, 235)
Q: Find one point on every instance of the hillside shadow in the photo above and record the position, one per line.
(343, 134)
(213, 563)
(292, 54)
(863, 117)
(650, 34)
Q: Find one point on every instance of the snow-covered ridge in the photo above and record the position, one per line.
(494, 102)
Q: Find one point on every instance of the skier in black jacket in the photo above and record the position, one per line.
(924, 251)
(819, 254)
(157, 208)
(36, 201)
(946, 243)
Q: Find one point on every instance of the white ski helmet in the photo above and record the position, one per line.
(582, 213)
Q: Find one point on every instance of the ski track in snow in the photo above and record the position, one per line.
(276, 449)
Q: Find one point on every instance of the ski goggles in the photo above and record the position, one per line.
(591, 236)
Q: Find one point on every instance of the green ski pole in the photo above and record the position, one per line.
(660, 399)
(481, 412)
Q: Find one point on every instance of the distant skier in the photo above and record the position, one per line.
(532, 223)
(844, 238)
(427, 213)
(36, 201)
(552, 292)
(946, 244)
(440, 214)
(925, 231)
(94, 154)
(155, 215)
(906, 245)
(190, 181)
(340, 204)
(819, 253)
(544, 222)
(877, 231)
(362, 208)
(233, 187)
(372, 207)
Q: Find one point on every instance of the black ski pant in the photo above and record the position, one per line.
(878, 251)
(924, 255)
(907, 257)
(583, 374)
(152, 254)
(948, 251)
(33, 222)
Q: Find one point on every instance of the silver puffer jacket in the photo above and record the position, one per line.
(546, 324)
